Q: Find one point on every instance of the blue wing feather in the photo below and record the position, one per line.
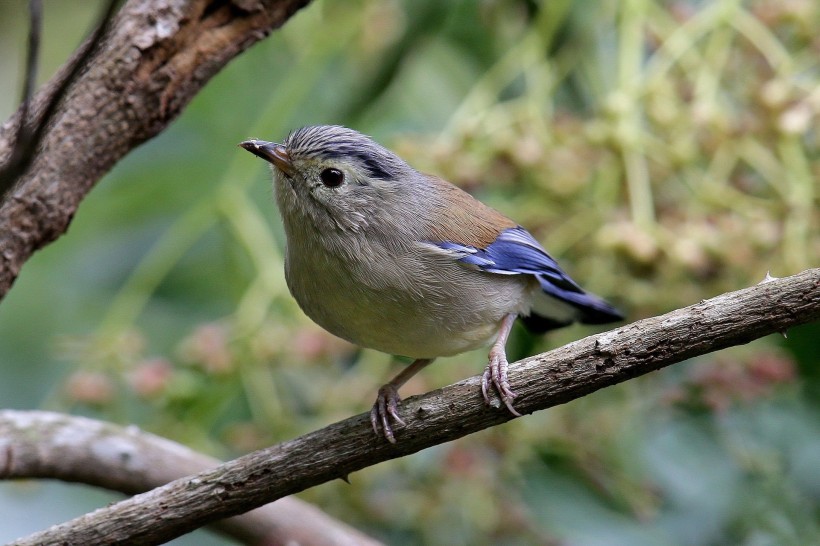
(516, 252)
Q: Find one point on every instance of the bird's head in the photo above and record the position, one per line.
(333, 176)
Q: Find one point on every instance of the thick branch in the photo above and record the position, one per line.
(157, 56)
(40, 444)
(541, 381)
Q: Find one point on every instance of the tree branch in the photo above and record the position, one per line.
(541, 381)
(156, 56)
(41, 444)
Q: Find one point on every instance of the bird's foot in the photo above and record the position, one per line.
(496, 374)
(384, 410)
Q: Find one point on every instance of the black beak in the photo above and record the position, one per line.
(272, 152)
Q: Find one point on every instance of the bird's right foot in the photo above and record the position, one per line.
(384, 410)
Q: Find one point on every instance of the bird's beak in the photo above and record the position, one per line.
(270, 151)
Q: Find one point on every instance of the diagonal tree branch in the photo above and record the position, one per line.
(156, 56)
(541, 381)
(42, 444)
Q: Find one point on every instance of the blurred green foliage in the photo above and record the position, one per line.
(664, 151)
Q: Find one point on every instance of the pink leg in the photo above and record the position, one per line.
(496, 370)
(387, 401)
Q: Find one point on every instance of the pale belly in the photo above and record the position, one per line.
(391, 311)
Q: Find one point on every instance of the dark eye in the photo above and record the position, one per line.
(332, 177)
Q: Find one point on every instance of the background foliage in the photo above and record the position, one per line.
(664, 151)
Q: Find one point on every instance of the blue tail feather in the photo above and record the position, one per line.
(590, 308)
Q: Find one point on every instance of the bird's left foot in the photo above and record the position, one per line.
(496, 373)
(385, 409)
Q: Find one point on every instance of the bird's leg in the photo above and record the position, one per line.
(387, 401)
(496, 370)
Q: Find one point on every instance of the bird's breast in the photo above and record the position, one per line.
(410, 301)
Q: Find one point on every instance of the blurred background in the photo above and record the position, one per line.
(663, 151)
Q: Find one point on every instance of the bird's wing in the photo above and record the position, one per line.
(516, 252)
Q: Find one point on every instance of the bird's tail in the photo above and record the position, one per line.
(563, 305)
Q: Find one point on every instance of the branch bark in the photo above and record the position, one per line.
(541, 381)
(41, 444)
(157, 55)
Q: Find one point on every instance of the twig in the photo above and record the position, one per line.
(28, 139)
(541, 381)
(32, 61)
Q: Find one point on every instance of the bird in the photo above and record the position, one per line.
(388, 258)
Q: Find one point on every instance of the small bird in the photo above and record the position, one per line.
(406, 263)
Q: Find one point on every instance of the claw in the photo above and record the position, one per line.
(496, 373)
(496, 370)
(485, 385)
(385, 409)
